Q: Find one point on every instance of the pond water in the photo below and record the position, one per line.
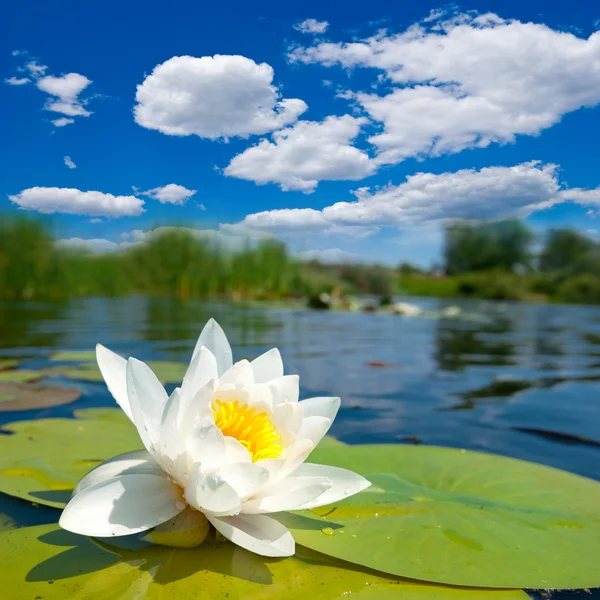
(520, 380)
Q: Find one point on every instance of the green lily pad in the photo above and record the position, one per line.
(82, 568)
(8, 363)
(74, 356)
(20, 375)
(460, 518)
(27, 396)
(43, 460)
(166, 371)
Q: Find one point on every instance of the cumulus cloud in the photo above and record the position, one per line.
(76, 202)
(467, 81)
(62, 122)
(35, 69)
(95, 245)
(17, 80)
(70, 163)
(331, 256)
(169, 194)
(304, 154)
(312, 26)
(66, 90)
(213, 97)
(490, 193)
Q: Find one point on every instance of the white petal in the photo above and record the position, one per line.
(267, 366)
(147, 398)
(122, 505)
(258, 533)
(344, 483)
(290, 493)
(240, 374)
(295, 456)
(113, 368)
(202, 369)
(245, 478)
(258, 395)
(138, 461)
(211, 494)
(321, 407)
(288, 418)
(199, 409)
(285, 389)
(206, 445)
(314, 428)
(214, 338)
(171, 444)
(236, 452)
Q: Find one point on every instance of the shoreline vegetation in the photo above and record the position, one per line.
(493, 261)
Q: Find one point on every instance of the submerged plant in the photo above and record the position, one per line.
(226, 448)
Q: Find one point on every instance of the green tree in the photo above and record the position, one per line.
(563, 249)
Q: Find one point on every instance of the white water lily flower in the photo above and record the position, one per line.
(228, 446)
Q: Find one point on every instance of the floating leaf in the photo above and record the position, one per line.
(166, 371)
(81, 568)
(461, 518)
(8, 363)
(74, 356)
(28, 396)
(20, 375)
(44, 459)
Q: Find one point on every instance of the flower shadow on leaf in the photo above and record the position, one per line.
(165, 565)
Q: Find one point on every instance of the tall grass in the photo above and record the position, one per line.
(171, 263)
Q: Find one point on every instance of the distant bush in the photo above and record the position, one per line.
(493, 285)
(580, 289)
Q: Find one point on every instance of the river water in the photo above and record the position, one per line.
(522, 380)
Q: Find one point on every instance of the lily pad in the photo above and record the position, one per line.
(27, 396)
(82, 568)
(166, 371)
(44, 459)
(8, 363)
(460, 518)
(74, 356)
(20, 375)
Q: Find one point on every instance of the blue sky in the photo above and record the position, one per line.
(355, 131)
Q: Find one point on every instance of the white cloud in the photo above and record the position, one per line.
(169, 194)
(35, 69)
(66, 90)
(213, 97)
(19, 52)
(467, 81)
(75, 202)
(490, 193)
(70, 163)
(62, 122)
(304, 154)
(581, 196)
(95, 245)
(332, 256)
(17, 80)
(312, 26)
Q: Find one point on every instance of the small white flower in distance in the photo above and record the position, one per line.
(228, 446)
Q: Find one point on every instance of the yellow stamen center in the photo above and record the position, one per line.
(252, 428)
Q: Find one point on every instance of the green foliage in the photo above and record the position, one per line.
(493, 285)
(580, 289)
(503, 245)
(421, 285)
(564, 248)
